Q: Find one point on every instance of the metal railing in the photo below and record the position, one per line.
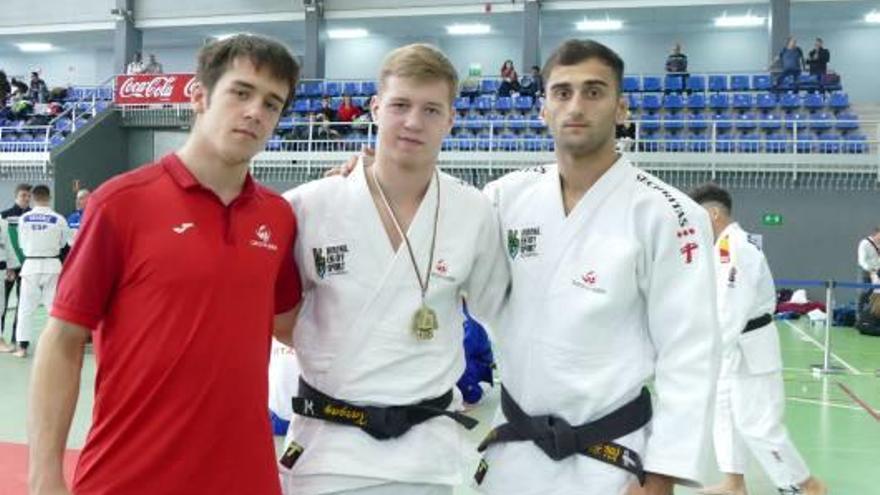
(39, 141)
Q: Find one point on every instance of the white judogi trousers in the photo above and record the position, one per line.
(743, 424)
(36, 289)
(401, 489)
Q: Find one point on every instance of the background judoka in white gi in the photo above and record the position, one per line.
(353, 335)
(42, 233)
(750, 397)
(611, 287)
(8, 256)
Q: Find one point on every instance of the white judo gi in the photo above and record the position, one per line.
(750, 397)
(616, 293)
(42, 233)
(283, 379)
(353, 335)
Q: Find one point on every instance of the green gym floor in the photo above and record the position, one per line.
(833, 419)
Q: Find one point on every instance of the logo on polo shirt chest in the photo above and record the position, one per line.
(330, 260)
(263, 238)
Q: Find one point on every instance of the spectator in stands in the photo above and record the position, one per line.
(153, 67)
(5, 88)
(38, 92)
(818, 59)
(509, 79)
(791, 60)
(470, 87)
(11, 217)
(18, 88)
(532, 84)
(348, 111)
(677, 62)
(136, 66)
(324, 118)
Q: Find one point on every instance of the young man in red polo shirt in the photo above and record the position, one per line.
(178, 270)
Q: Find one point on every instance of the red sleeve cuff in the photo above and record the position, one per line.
(74, 316)
(288, 303)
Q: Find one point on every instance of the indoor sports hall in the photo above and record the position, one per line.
(93, 89)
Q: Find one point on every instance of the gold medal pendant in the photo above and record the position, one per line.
(424, 323)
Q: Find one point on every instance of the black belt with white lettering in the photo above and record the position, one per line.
(379, 422)
(558, 439)
(759, 322)
(56, 257)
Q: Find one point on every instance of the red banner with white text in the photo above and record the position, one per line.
(147, 89)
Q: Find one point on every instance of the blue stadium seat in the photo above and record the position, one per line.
(515, 121)
(332, 88)
(767, 101)
(523, 103)
(286, 123)
(483, 103)
(650, 122)
(847, 121)
(724, 143)
(748, 143)
(351, 88)
(717, 83)
(723, 121)
(742, 101)
(828, 143)
(790, 101)
(698, 143)
(739, 83)
(673, 84)
(315, 105)
(696, 83)
(696, 101)
(462, 104)
(769, 122)
(746, 122)
(806, 142)
(821, 121)
(719, 101)
(504, 104)
(855, 143)
(762, 82)
(674, 143)
(489, 86)
(673, 122)
(651, 103)
(696, 122)
(631, 84)
(808, 82)
(652, 84)
(838, 101)
(368, 88)
(813, 101)
(301, 105)
(777, 143)
(313, 89)
(673, 103)
(635, 102)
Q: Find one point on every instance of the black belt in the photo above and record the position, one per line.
(56, 257)
(759, 322)
(379, 422)
(558, 439)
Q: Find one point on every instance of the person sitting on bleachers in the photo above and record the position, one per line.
(470, 87)
(509, 79)
(38, 91)
(791, 60)
(532, 84)
(348, 111)
(324, 118)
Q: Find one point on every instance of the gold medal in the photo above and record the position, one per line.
(424, 323)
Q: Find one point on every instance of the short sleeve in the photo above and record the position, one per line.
(92, 271)
(288, 290)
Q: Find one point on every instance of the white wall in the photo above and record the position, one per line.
(60, 69)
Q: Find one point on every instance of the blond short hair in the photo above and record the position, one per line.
(422, 62)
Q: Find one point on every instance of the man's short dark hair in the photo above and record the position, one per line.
(573, 52)
(22, 187)
(712, 193)
(41, 192)
(217, 57)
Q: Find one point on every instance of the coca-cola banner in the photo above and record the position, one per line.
(144, 89)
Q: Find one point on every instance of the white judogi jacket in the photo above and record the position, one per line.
(602, 300)
(353, 335)
(41, 234)
(745, 291)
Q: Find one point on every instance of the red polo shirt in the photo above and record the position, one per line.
(181, 291)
